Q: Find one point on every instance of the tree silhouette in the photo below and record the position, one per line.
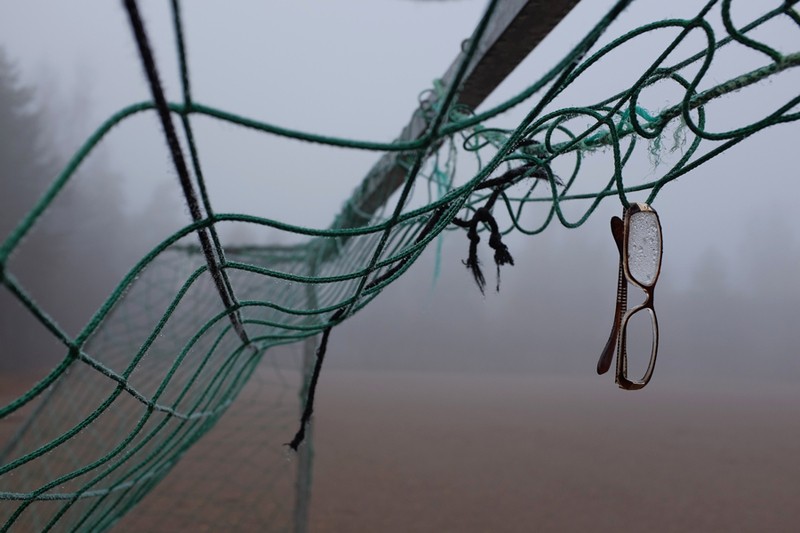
(28, 163)
(84, 242)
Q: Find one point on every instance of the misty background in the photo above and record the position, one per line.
(727, 298)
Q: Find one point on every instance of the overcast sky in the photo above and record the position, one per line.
(354, 68)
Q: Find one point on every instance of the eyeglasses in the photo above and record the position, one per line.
(638, 239)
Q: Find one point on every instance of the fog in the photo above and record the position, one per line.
(726, 300)
(440, 406)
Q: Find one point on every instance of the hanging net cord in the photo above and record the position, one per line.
(140, 384)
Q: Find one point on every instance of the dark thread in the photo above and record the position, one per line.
(472, 263)
(483, 215)
(312, 386)
(502, 256)
(515, 174)
(323, 344)
(437, 215)
(177, 158)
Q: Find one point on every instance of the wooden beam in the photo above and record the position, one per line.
(517, 28)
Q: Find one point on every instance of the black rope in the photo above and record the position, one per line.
(483, 215)
(312, 386)
(177, 158)
(437, 215)
(323, 343)
(502, 256)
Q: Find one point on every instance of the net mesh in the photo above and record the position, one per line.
(178, 340)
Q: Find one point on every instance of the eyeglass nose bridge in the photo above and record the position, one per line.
(622, 354)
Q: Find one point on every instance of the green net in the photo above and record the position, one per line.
(185, 331)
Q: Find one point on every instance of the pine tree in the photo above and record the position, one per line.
(27, 165)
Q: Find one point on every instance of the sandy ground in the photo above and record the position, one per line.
(449, 453)
(409, 452)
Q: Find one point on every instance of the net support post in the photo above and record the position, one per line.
(305, 454)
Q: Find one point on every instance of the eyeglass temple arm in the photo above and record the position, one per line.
(604, 363)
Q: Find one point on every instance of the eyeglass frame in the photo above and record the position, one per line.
(617, 341)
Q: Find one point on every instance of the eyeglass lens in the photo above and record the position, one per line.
(639, 331)
(644, 247)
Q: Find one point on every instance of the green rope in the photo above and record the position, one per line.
(166, 355)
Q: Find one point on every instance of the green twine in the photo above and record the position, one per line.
(160, 361)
